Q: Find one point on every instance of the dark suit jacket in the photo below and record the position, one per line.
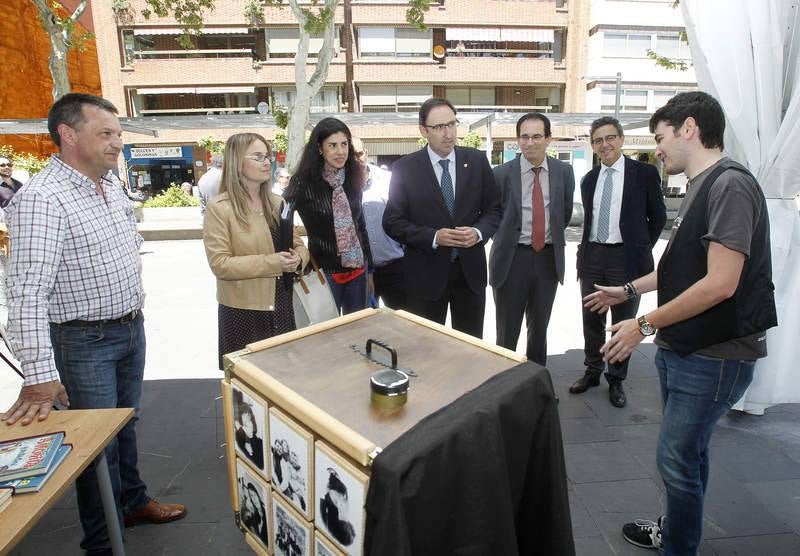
(562, 186)
(642, 215)
(416, 210)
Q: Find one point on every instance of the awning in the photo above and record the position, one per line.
(527, 35)
(193, 90)
(472, 34)
(485, 34)
(394, 147)
(204, 31)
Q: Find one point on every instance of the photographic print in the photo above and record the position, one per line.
(324, 547)
(253, 503)
(291, 461)
(340, 491)
(251, 435)
(292, 533)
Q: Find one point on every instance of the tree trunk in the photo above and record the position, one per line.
(306, 89)
(59, 45)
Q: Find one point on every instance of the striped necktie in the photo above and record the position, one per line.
(604, 218)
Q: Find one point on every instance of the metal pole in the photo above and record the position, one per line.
(489, 142)
(109, 504)
(618, 95)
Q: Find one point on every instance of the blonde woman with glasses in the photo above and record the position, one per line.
(240, 233)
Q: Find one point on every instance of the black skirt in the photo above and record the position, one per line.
(239, 327)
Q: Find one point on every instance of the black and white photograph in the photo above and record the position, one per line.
(292, 534)
(253, 503)
(250, 427)
(340, 491)
(291, 453)
(324, 547)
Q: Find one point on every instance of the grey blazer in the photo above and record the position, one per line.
(562, 186)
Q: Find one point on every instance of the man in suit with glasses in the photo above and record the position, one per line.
(444, 205)
(625, 214)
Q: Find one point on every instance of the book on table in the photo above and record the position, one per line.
(28, 456)
(35, 483)
(5, 497)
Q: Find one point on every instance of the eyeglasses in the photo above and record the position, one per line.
(439, 128)
(260, 157)
(607, 139)
(6, 165)
(526, 138)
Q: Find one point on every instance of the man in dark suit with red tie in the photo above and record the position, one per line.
(526, 262)
(444, 205)
(625, 214)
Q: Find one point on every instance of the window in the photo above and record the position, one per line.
(671, 46)
(625, 45)
(389, 42)
(660, 98)
(634, 100)
(326, 100)
(282, 43)
(393, 98)
(474, 96)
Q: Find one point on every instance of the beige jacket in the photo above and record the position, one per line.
(243, 258)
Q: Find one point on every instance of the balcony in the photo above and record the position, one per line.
(488, 70)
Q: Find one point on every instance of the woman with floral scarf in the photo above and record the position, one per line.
(326, 192)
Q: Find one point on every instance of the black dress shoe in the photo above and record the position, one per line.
(584, 383)
(616, 394)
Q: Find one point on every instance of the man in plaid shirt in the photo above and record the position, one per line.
(75, 299)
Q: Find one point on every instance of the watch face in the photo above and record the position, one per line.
(645, 327)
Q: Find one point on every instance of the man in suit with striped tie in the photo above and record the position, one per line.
(625, 214)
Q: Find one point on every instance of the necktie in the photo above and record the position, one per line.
(537, 235)
(604, 218)
(449, 197)
(447, 187)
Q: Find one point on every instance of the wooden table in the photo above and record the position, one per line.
(89, 431)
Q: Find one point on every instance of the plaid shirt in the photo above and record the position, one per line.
(74, 256)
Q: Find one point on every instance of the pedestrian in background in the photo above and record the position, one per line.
(240, 234)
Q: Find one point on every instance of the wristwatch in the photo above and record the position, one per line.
(645, 327)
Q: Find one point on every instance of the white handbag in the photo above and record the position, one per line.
(312, 298)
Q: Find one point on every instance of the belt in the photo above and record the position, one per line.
(120, 320)
(529, 246)
(606, 244)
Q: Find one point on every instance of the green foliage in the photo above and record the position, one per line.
(415, 14)
(254, 12)
(471, 139)
(187, 13)
(24, 161)
(280, 144)
(211, 145)
(172, 197)
(281, 116)
(668, 63)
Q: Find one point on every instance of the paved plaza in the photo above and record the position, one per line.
(753, 503)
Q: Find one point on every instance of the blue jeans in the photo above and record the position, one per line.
(696, 391)
(102, 366)
(351, 296)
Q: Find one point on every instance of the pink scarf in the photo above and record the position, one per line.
(346, 238)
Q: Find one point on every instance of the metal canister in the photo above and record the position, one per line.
(389, 389)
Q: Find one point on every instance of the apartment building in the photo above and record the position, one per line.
(488, 56)
(621, 32)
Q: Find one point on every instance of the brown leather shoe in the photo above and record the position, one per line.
(155, 512)
(584, 383)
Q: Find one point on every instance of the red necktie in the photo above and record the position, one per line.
(537, 233)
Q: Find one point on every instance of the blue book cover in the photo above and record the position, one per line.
(35, 484)
(28, 457)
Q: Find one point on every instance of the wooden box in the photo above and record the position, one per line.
(320, 430)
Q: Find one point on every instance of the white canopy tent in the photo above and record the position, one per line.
(747, 54)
